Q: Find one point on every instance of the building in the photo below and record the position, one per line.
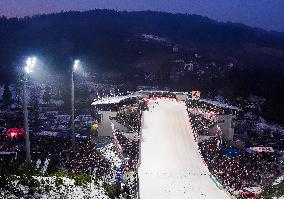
(175, 49)
(106, 109)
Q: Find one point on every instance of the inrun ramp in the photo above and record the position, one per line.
(171, 166)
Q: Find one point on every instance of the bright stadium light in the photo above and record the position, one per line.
(76, 65)
(30, 63)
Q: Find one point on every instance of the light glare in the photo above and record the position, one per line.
(76, 64)
(30, 63)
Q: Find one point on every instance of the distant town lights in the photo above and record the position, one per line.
(76, 64)
(30, 63)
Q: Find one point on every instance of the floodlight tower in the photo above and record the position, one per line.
(75, 67)
(30, 63)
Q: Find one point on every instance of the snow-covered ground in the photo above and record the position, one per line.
(110, 154)
(171, 166)
(278, 180)
(69, 190)
(148, 37)
(66, 189)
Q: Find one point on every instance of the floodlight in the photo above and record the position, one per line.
(76, 65)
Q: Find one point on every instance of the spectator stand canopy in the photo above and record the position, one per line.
(221, 105)
(113, 100)
(218, 107)
(157, 93)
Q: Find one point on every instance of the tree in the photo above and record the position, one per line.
(81, 93)
(82, 98)
(65, 95)
(7, 95)
(35, 94)
(47, 95)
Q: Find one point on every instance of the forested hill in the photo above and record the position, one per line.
(191, 51)
(102, 37)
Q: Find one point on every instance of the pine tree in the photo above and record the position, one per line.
(7, 95)
(47, 95)
(65, 95)
(35, 94)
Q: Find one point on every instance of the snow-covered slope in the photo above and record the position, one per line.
(171, 166)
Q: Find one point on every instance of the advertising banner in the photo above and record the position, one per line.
(195, 95)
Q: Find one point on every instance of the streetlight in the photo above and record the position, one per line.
(30, 63)
(75, 67)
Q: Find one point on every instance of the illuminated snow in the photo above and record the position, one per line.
(171, 165)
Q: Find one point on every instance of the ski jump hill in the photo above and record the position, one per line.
(171, 166)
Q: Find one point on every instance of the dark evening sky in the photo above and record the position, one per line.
(267, 14)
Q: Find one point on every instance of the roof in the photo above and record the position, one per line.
(112, 100)
(219, 104)
(160, 91)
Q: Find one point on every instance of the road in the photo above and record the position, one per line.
(171, 166)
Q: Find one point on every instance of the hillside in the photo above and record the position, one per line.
(152, 48)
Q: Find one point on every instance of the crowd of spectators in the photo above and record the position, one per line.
(58, 151)
(242, 171)
(129, 149)
(234, 172)
(204, 107)
(129, 116)
(200, 124)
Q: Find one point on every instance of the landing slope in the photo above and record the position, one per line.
(171, 166)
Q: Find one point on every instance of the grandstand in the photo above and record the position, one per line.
(217, 118)
(214, 117)
(106, 110)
